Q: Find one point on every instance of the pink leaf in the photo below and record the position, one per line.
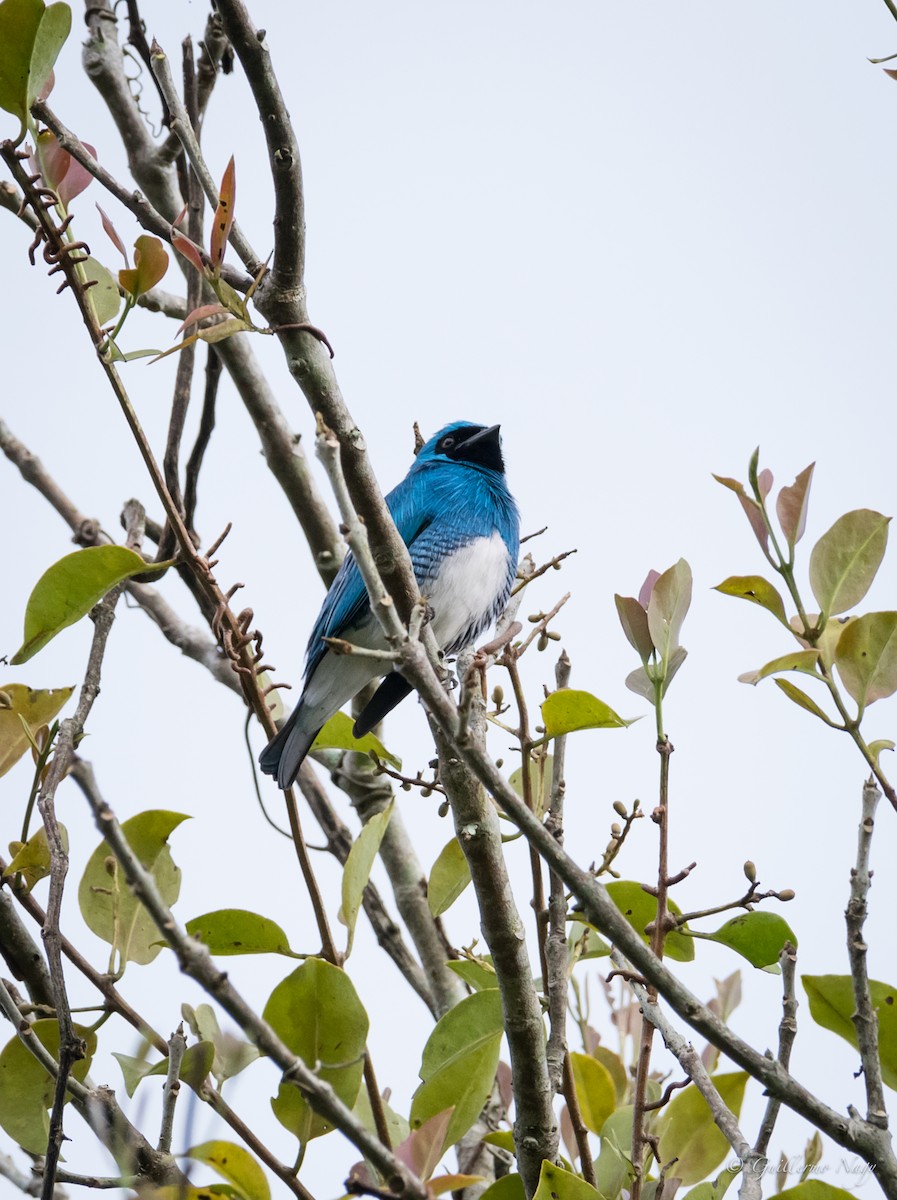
(188, 249)
(112, 234)
(423, 1149)
(647, 588)
(77, 178)
(200, 314)
(764, 482)
(791, 506)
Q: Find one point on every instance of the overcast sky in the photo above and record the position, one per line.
(645, 238)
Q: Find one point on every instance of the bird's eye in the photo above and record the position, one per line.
(447, 443)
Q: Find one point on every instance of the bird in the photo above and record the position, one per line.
(454, 512)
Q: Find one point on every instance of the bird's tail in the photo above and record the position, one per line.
(284, 754)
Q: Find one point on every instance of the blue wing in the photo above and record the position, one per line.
(347, 601)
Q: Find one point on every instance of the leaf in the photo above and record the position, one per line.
(756, 589)
(449, 876)
(187, 249)
(236, 931)
(509, 1187)
(832, 1005)
(615, 1067)
(71, 178)
(200, 314)
(799, 660)
(751, 510)
(557, 1184)
(232, 1054)
(613, 1167)
(595, 1090)
(791, 506)
(844, 561)
(32, 861)
(640, 909)
(422, 1149)
(337, 735)
(568, 710)
(195, 1066)
(26, 1088)
(317, 1013)
(756, 936)
(105, 301)
(32, 706)
(224, 215)
(452, 1183)
(634, 620)
(477, 973)
(69, 589)
(459, 1064)
(540, 768)
(223, 330)
(52, 32)
(112, 232)
(802, 700)
(875, 748)
(236, 1165)
(357, 870)
(866, 657)
(109, 907)
(398, 1127)
(150, 265)
(715, 1189)
(818, 1189)
(689, 1133)
(667, 607)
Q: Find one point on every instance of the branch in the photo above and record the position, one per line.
(177, 1047)
(787, 1034)
(195, 961)
(865, 1018)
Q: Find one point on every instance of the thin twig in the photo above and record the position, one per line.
(787, 1034)
(177, 1047)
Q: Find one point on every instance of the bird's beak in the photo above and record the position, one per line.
(483, 448)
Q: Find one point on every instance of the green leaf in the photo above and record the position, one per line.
(399, 1129)
(640, 909)
(756, 589)
(337, 735)
(478, 973)
(69, 589)
(109, 907)
(613, 1167)
(317, 1013)
(31, 37)
(817, 1189)
(798, 660)
(595, 1090)
(449, 876)
(540, 769)
(26, 1088)
(866, 657)
(232, 1054)
(616, 1068)
(844, 561)
(150, 265)
(236, 931)
(875, 748)
(32, 861)
(667, 607)
(55, 26)
(756, 936)
(32, 706)
(509, 1187)
(802, 700)
(557, 1184)
(714, 1189)
(832, 1005)
(236, 1165)
(357, 870)
(791, 506)
(459, 1064)
(689, 1133)
(104, 297)
(568, 710)
(634, 620)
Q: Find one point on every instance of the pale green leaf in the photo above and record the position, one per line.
(818, 1189)
(557, 1184)
(236, 1165)
(54, 28)
(757, 936)
(69, 589)
(32, 861)
(805, 661)
(26, 1088)
(540, 769)
(634, 620)
(569, 709)
(449, 876)
(640, 909)
(357, 870)
(802, 700)
(337, 735)
(103, 297)
(714, 1189)
(832, 1006)
(236, 931)
(689, 1133)
(595, 1090)
(32, 706)
(757, 590)
(667, 608)
(845, 560)
(866, 657)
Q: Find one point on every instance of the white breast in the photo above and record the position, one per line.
(466, 591)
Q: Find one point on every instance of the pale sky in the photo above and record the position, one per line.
(645, 238)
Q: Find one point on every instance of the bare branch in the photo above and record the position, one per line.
(787, 1034)
(177, 1047)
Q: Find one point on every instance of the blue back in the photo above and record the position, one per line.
(439, 506)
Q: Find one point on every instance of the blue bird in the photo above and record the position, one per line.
(460, 523)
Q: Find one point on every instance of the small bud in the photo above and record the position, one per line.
(426, 792)
(110, 865)
(750, 872)
(443, 808)
(499, 762)
(615, 829)
(619, 808)
(555, 637)
(535, 618)
(542, 643)
(786, 895)
(406, 787)
(498, 694)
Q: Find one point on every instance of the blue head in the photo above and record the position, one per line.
(463, 442)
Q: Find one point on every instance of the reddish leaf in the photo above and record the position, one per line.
(76, 179)
(224, 215)
(49, 160)
(188, 249)
(634, 620)
(200, 314)
(755, 516)
(112, 234)
(150, 265)
(644, 596)
(791, 506)
(423, 1149)
(764, 482)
